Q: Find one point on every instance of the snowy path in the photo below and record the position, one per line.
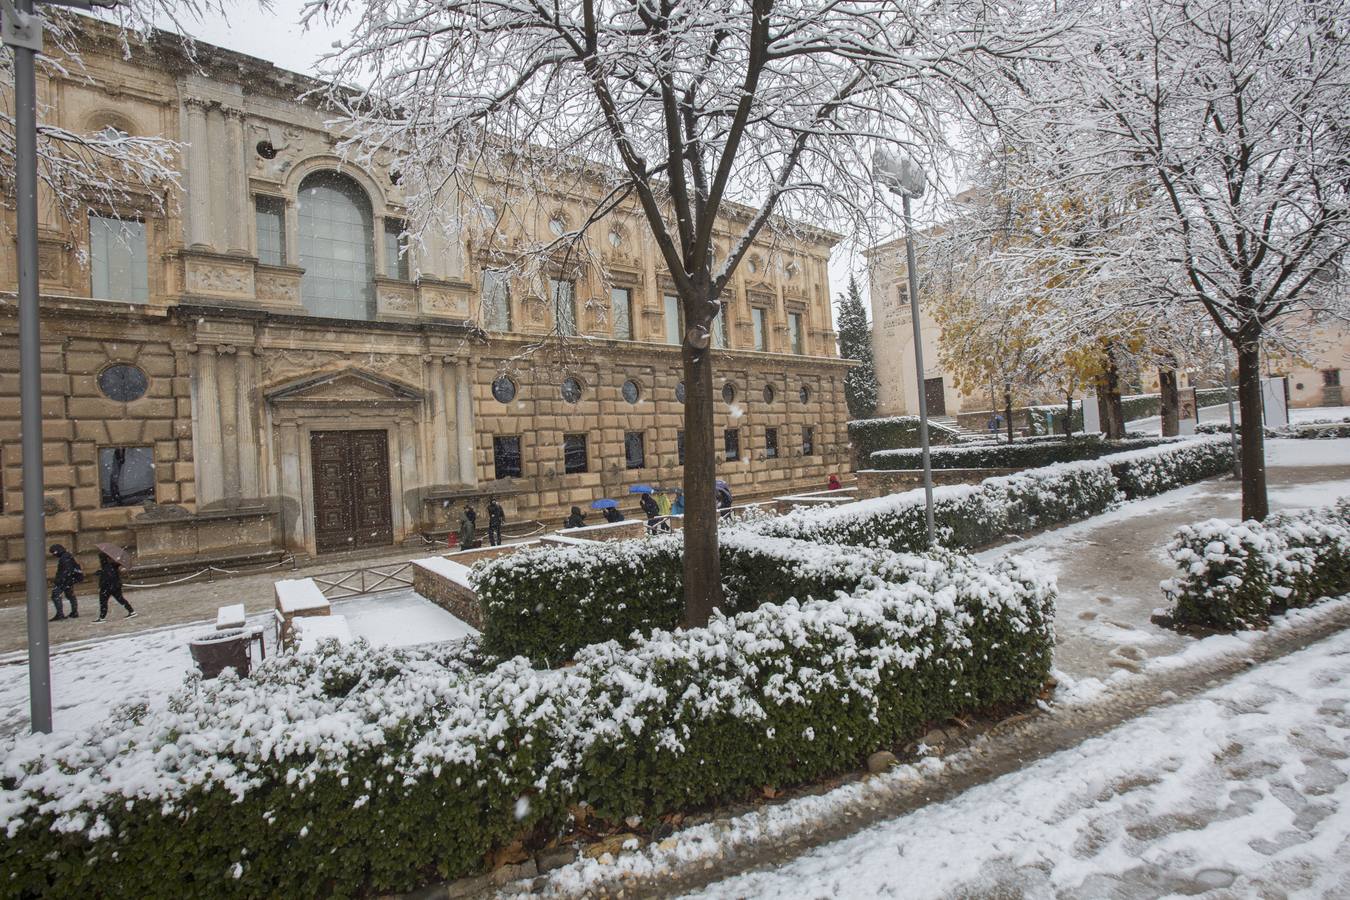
(1254, 801)
(91, 678)
(1109, 566)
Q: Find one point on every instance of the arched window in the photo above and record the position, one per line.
(337, 247)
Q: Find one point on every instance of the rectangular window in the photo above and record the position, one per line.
(634, 453)
(761, 331)
(674, 320)
(808, 441)
(621, 299)
(719, 324)
(795, 332)
(506, 456)
(563, 295)
(731, 442)
(117, 259)
(395, 249)
(770, 443)
(574, 453)
(679, 446)
(126, 475)
(496, 300)
(270, 215)
(1331, 377)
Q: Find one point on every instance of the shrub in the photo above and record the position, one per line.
(1024, 454)
(1236, 576)
(358, 771)
(870, 435)
(1144, 473)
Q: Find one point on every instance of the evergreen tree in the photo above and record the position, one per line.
(855, 343)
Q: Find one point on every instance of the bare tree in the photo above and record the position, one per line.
(689, 116)
(1218, 131)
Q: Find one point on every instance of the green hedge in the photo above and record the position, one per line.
(870, 435)
(1235, 576)
(1017, 455)
(358, 771)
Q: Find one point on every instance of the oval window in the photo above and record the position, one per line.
(571, 390)
(729, 392)
(123, 383)
(768, 393)
(630, 391)
(804, 394)
(679, 392)
(504, 389)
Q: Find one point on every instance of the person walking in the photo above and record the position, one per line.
(468, 527)
(677, 507)
(110, 585)
(612, 514)
(68, 574)
(724, 503)
(496, 516)
(663, 502)
(652, 511)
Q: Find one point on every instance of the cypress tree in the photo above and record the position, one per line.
(855, 343)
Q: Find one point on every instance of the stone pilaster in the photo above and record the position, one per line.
(198, 175)
(439, 470)
(206, 438)
(245, 372)
(227, 383)
(468, 470)
(292, 526)
(237, 189)
(218, 220)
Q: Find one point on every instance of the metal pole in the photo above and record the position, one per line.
(30, 373)
(918, 369)
(1232, 417)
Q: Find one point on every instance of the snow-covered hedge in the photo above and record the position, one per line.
(870, 435)
(356, 771)
(1235, 576)
(976, 515)
(1017, 455)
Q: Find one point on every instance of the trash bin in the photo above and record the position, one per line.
(221, 650)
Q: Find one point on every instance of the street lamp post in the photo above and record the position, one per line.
(901, 175)
(21, 31)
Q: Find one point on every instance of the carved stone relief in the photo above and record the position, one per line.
(278, 288)
(208, 278)
(283, 365)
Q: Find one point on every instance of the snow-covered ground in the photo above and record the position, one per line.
(91, 678)
(1255, 801)
(1153, 424)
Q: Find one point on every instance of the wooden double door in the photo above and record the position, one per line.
(351, 490)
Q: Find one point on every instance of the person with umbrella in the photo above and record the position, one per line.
(724, 498)
(608, 508)
(663, 501)
(111, 559)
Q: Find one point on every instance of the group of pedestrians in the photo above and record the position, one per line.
(69, 573)
(468, 524)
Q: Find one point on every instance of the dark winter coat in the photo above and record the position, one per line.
(613, 515)
(575, 520)
(109, 574)
(68, 571)
(649, 506)
(496, 515)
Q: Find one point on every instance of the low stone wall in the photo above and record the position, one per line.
(445, 583)
(169, 536)
(469, 557)
(879, 482)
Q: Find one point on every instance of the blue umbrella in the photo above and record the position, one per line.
(641, 489)
(604, 503)
(722, 485)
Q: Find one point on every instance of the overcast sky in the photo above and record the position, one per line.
(276, 36)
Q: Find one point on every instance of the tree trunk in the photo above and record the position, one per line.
(702, 571)
(1068, 417)
(1253, 451)
(1108, 395)
(1171, 402)
(1008, 411)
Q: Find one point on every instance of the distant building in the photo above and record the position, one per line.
(265, 369)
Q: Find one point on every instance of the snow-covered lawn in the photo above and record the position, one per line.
(1255, 801)
(90, 678)
(1307, 452)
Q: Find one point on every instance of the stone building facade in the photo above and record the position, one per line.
(258, 368)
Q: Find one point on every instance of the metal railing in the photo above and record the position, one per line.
(372, 580)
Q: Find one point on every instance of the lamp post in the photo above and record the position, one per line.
(21, 31)
(901, 175)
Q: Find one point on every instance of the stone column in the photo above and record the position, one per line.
(198, 175)
(468, 468)
(218, 220)
(244, 424)
(292, 507)
(206, 431)
(237, 193)
(440, 429)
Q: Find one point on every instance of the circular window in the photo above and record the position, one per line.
(679, 392)
(630, 391)
(504, 389)
(557, 226)
(729, 392)
(804, 394)
(123, 383)
(571, 390)
(266, 150)
(768, 393)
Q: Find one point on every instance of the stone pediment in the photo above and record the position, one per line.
(344, 386)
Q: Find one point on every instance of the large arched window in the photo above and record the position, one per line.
(337, 247)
